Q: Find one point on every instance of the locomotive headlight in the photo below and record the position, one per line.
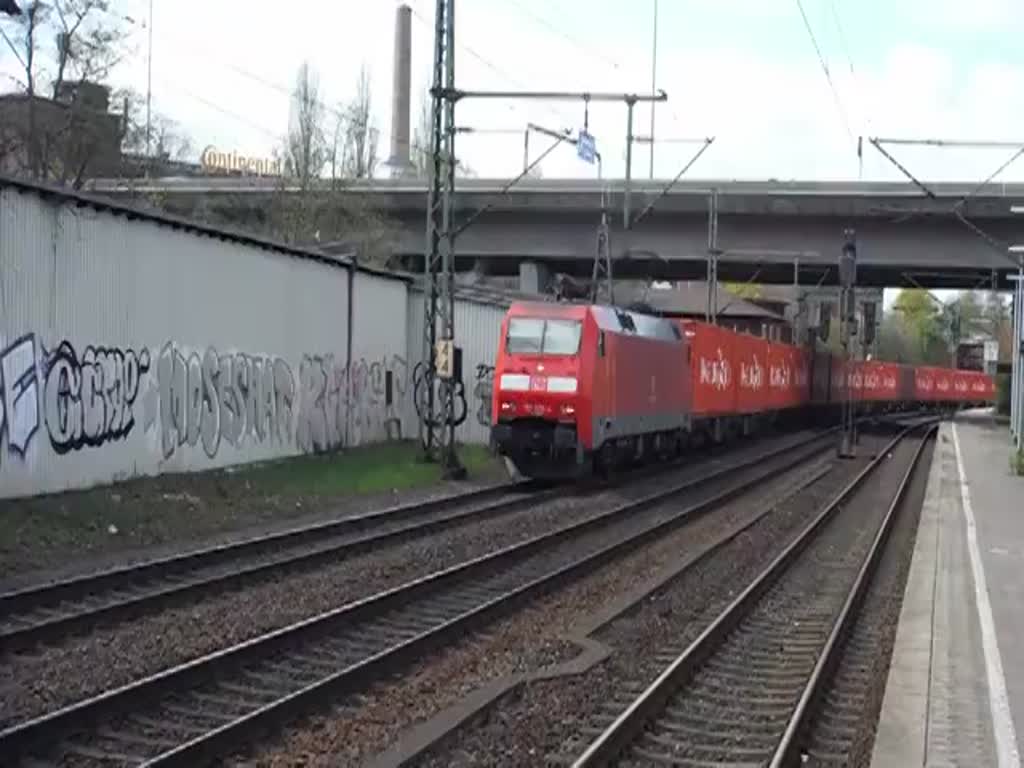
(563, 384)
(515, 382)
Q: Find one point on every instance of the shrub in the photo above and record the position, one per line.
(1003, 394)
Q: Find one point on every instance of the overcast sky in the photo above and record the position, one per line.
(745, 71)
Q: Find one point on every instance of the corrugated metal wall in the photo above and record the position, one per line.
(477, 331)
(128, 347)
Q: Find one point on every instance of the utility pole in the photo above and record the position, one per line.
(713, 253)
(441, 358)
(847, 330)
(149, 89)
(439, 300)
(1017, 368)
(654, 79)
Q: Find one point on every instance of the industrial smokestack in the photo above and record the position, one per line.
(401, 93)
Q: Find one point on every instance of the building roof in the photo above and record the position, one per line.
(683, 298)
(68, 197)
(690, 298)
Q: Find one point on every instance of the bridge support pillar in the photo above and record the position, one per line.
(534, 277)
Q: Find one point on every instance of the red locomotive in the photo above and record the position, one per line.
(582, 385)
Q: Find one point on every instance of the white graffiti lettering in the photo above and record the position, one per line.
(715, 372)
(366, 396)
(19, 414)
(779, 376)
(223, 397)
(752, 376)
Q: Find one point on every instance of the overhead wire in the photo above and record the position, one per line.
(825, 69)
(276, 135)
(340, 114)
(865, 112)
(553, 111)
(578, 43)
(335, 111)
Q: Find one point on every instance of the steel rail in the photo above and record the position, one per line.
(787, 752)
(142, 594)
(50, 729)
(614, 740)
(154, 585)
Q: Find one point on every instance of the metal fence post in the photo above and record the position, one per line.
(1017, 371)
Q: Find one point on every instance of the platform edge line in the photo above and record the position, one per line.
(999, 703)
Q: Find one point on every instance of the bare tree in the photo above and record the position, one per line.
(169, 141)
(330, 213)
(420, 152)
(360, 134)
(61, 133)
(306, 146)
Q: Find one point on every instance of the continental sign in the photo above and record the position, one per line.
(213, 159)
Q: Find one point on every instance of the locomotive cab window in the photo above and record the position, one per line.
(537, 336)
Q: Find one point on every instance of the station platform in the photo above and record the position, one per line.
(955, 692)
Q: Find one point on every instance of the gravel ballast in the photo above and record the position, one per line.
(853, 697)
(516, 643)
(58, 535)
(51, 677)
(543, 719)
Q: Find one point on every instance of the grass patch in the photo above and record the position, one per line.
(1017, 462)
(53, 530)
(369, 469)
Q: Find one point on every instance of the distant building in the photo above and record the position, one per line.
(684, 299)
(75, 134)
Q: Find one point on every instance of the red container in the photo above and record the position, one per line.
(713, 369)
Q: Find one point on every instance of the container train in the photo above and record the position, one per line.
(581, 388)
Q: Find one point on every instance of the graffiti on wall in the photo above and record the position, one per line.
(19, 406)
(424, 386)
(483, 391)
(192, 399)
(366, 396)
(82, 400)
(228, 397)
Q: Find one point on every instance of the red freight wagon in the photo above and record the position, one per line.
(907, 389)
(981, 387)
(841, 379)
(787, 377)
(752, 361)
(961, 385)
(881, 381)
(712, 369)
(924, 384)
(803, 377)
(944, 389)
(820, 371)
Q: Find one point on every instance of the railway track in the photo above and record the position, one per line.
(54, 610)
(192, 713)
(745, 691)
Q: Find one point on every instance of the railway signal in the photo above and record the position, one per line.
(847, 330)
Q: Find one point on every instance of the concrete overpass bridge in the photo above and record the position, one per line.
(768, 231)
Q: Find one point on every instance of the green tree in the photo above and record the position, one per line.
(922, 320)
(895, 343)
(743, 290)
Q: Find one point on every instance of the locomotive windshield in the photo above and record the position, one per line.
(538, 336)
